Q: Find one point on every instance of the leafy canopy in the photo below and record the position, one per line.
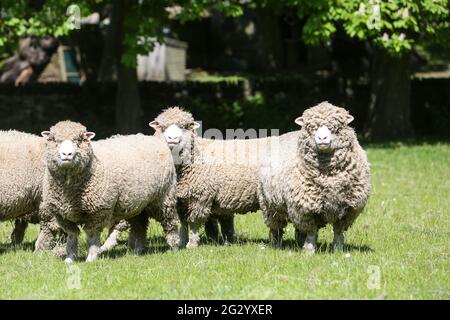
(394, 25)
(143, 20)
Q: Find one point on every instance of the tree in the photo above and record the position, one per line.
(393, 27)
(135, 26)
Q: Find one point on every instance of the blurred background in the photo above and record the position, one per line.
(114, 65)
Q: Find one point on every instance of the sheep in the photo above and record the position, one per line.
(22, 170)
(316, 176)
(97, 184)
(210, 180)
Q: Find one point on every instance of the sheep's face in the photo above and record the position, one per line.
(177, 136)
(326, 127)
(68, 145)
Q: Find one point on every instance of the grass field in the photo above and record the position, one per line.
(397, 249)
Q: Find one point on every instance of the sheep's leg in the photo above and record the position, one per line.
(73, 232)
(227, 228)
(194, 236)
(276, 237)
(184, 233)
(170, 219)
(93, 239)
(111, 241)
(46, 239)
(170, 227)
(338, 241)
(300, 237)
(71, 247)
(310, 241)
(20, 225)
(138, 232)
(212, 229)
(51, 238)
(113, 236)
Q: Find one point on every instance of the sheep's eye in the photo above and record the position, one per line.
(313, 128)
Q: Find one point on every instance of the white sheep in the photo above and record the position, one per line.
(214, 177)
(99, 184)
(315, 176)
(21, 173)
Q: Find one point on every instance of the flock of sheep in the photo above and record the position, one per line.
(315, 176)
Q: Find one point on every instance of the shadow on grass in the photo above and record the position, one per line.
(10, 247)
(291, 244)
(154, 245)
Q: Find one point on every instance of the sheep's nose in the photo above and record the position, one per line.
(172, 139)
(67, 154)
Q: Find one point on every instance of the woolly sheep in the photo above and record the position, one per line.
(211, 180)
(22, 170)
(317, 175)
(99, 184)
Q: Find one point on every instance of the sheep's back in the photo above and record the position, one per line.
(21, 172)
(140, 166)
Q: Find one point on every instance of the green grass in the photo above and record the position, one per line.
(404, 231)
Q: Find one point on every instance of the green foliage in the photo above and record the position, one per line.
(143, 22)
(403, 231)
(20, 18)
(394, 25)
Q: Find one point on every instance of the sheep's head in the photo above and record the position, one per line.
(177, 127)
(68, 145)
(326, 127)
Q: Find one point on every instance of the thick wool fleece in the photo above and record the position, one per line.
(309, 188)
(215, 177)
(110, 180)
(175, 115)
(22, 169)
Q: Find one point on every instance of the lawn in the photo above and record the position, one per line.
(397, 249)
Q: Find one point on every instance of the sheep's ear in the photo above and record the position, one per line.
(45, 134)
(195, 125)
(349, 119)
(89, 135)
(299, 121)
(154, 124)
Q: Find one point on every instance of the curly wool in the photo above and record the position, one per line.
(115, 179)
(309, 188)
(215, 177)
(22, 170)
(175, 115)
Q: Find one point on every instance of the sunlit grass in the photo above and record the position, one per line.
(401, 239)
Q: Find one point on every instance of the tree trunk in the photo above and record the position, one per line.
(128, 102)
(389, 108)
(269, 43)
(111, 45)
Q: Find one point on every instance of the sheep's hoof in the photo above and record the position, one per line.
(338, 248)
(91, 259)
(138, 250)
(191, 245)
(309, 248)
(69, 260)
